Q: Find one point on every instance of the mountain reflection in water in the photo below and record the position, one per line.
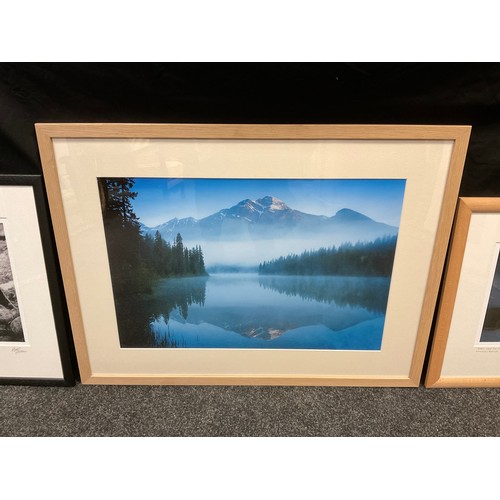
(251, 311)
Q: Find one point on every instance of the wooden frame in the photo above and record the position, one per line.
(42, 355)
(57, 143)
(458, 358)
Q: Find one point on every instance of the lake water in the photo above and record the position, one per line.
(261, 312)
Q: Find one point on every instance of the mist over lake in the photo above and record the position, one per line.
(253, 231)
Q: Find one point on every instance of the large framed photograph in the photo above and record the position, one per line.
(466, 345)
(252, 254)
(34, 341)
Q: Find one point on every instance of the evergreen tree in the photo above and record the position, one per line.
(178, 267)
(159, 256)
(116, 199)
(124, 241)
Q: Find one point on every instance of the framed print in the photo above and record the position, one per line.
(33, 336)
(466, 345)
(251, 254)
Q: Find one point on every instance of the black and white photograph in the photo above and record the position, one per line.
(491, 325)
(11, 329)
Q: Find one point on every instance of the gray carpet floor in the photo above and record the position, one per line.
(196, 411)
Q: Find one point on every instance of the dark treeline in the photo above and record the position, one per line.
(360, 259)
(137, 261)
(167, 259)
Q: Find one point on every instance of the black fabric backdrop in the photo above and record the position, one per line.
(400, 93)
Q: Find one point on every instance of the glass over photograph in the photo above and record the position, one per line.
(251, 263)
(11, 329)
(491, 325)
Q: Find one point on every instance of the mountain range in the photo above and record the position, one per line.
(270, 218)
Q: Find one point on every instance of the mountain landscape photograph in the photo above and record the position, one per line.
(251, 263)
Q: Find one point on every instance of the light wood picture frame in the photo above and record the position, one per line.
(466, 342)
(84, 163)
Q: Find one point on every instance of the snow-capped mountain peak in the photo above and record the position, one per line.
(248, 205)
(272, 204)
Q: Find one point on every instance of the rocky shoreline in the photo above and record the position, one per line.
(11, 329)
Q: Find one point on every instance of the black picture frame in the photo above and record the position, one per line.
(53, 276)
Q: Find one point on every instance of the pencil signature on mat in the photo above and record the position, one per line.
(18, 350)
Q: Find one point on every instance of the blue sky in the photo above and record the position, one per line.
(160, 200)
